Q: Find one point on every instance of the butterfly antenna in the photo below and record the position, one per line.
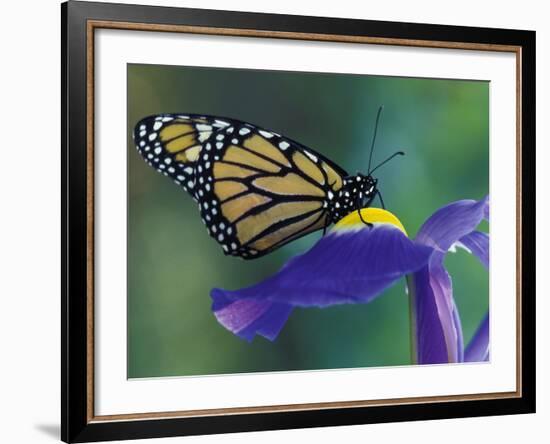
(398, 153)
(374, 136)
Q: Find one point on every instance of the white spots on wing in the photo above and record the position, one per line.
(207, 165)
(181, 178)
(150, 156)
(244, 131)
(142, 143)
(204, 135)
(184, 117)
(221, 123)
(266, 134)
(219, 145)
(188, 170)
(147, 148)
(220, 237)
(235, 141)
(158, 150)
(311, 156)
(167, 119)
(167, 160)
(203, 127)
(171, 170)
(283, 145)
(142, 133)
(229, 130)
(330, 195)
(152, 137)
(220, 137)
(190, 184)
(157, 126)
(233, 246)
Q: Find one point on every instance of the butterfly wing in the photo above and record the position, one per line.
(173, 145)
(256, 189)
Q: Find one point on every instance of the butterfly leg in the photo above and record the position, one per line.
(327, 223)
(361, 216)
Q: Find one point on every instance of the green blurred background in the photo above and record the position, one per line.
(443, 125)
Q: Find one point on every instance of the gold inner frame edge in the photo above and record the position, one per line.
(92, 25)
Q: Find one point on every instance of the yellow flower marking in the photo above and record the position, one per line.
(371, 215)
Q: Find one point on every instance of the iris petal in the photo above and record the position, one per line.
(434, 306)
(352, 264)
(439, 334)
(248, 317)
(428, 331)
(478, 244)
(451, 222)
(348, 266)
(478, 348)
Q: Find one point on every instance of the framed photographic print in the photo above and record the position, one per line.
(278, 221)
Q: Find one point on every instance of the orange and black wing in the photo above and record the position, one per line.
(256, 190)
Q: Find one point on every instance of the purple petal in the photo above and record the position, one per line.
(478, 348)
(347, 266)
(437, 324)
(459, 336)
(248, 317)
(450, 223)
(438, 327)
(428, 332)
(477, 243)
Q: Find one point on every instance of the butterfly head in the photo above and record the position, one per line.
(356, 192)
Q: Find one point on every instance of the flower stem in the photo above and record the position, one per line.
(412, 319)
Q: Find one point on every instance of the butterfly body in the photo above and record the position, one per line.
(256, 190)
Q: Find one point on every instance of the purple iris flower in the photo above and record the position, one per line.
(355, 263)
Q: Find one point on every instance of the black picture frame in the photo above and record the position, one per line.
(77, 424)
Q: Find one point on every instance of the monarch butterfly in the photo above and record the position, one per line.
(256, 190)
